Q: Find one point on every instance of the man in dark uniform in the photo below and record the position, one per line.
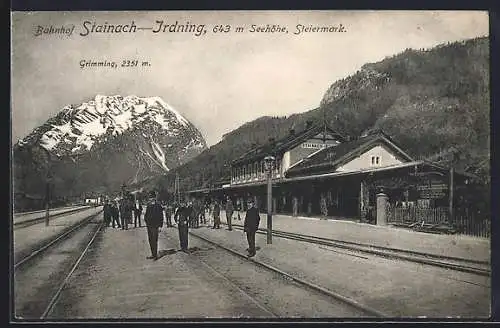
(252, 220)
(154, 221)
(107, 213)
(115, 214)
(137, 214)
(181, 217)
(126, 208)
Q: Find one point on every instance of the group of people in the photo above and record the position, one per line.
(230, 209)
(119, 213)
(185, 214)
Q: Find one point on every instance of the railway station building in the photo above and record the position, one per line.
(319, 172)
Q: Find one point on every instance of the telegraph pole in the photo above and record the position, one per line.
(324, 124)
(48, 176)
(452, 187)
(47, 201)
(269, 160)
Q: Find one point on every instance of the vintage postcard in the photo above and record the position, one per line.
(270, 165)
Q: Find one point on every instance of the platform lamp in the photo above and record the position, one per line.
(269, 166)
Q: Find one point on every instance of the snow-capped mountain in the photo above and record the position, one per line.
(119, 139)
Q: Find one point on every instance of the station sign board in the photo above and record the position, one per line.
(313, 145)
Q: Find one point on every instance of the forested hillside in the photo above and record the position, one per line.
(433, 102)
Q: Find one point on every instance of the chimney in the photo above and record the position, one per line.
(309, 123)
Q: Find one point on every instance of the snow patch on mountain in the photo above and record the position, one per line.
(159, 154)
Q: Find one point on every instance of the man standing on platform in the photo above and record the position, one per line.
(229, 213)
(238, 208)
(154, 221)
(126, 208)
(251, 225)
(216, 215)
(107, 213)
(168, 215)
(137, 213)
(181, 217)
(115, 215)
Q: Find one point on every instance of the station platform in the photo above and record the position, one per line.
(115, 280)
(461, 246)
(28, 238)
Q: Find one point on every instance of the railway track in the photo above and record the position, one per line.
(20, 214)
(41, 276)
(458, 264)
(44, 245)
(40, 219)
(363, 309)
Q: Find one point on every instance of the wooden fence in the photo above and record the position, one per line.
(464, 222)
(472, 223)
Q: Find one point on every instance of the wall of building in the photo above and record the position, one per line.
(255, 176)
(368, 159)
(284, 161)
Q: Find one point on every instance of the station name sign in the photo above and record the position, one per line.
(313, 145)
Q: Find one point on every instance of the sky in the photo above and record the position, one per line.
(220, 80)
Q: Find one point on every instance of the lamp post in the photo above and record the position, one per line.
(269, 165)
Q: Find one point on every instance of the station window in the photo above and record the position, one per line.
(375, 160)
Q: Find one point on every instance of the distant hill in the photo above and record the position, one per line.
(434, 103)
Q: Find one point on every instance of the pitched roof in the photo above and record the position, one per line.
(332, 157)
(282, 145)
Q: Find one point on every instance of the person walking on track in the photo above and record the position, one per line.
(229, 213)
(154, 221)
(216, 215)
(181, 218)
(251, 225)
(137, 214)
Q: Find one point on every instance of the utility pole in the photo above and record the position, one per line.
(177, 193)
(47, 201)
(324, 124)
(452, 187)
(48, 177)
(268, 161)
(175, 188)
